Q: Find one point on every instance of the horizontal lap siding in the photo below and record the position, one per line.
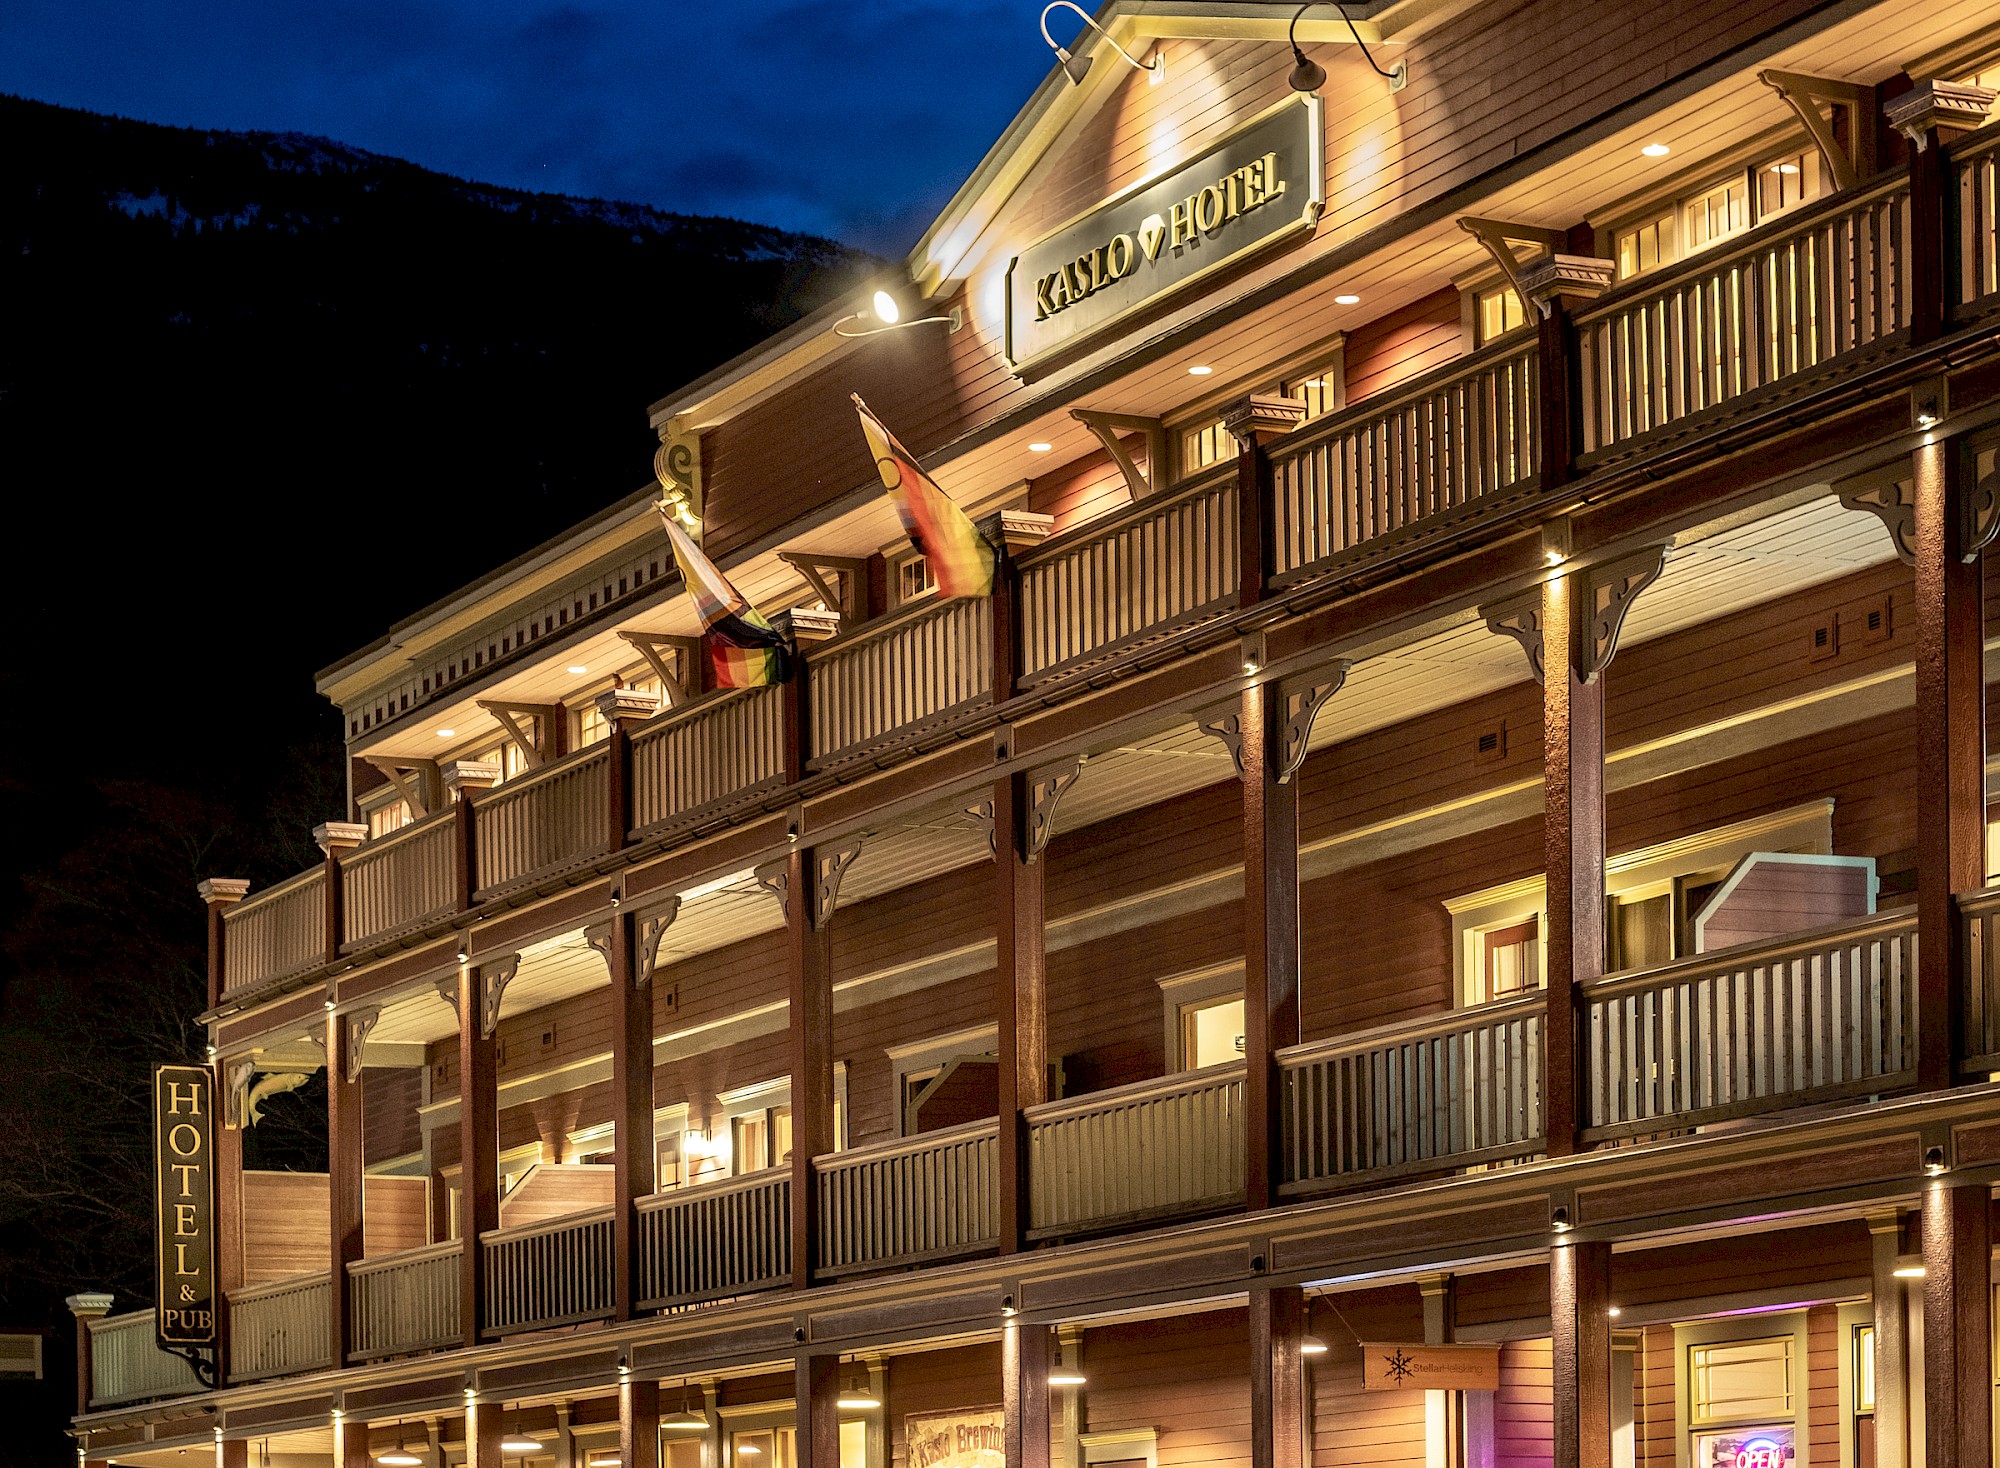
(1106, 1013)
(928, 1382)
(862, 1038)
(1088, 487)
(1823, 1400)
(1404, 344)
(1188, 1377)
(389, 1101)
(1524, 1406)
(1701, 1270)
(1352, 1425)
(1655, 1410)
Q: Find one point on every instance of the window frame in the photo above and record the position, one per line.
(1742, 164)
(1789, 1323)
(933, 1051)
(1194, 987)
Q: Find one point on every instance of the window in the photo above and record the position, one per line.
(391, 815)
(778, 1447)
(587, 726)
(1499, 313)
(1864, 1369)
(507, 757)
(1785, 182)
(1510, 960)
(913, 579)
(753, 1131)
(1738, 1380)
(1323, 390)
(1741, 1381)
(1720, 210)
(1205, 443)
(1644, 246)
(1204, 1016)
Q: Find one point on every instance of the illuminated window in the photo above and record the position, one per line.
(1785, 182)
(913, 579)
(1204, 444)
(1499, 313)
(1864, 1368)
(1322, 392)
(1740, 1381)
(1211, 1032)
(390, 816)
(1644, 246)
(1510, 960)
(588, 727)
(778, 1447)
(506, 756)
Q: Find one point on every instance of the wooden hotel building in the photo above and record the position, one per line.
(1439, 916)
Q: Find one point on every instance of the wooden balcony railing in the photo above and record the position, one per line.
(1811, 288)
(1451, 438)
(700, 758)
(1980, 912)
(402, 881)
(1156, 1149)
(405, 1302)
(910, 1201)
(715, 1240)
(1823, 1016)
(280, 1329)
(1147, 571)
(916, 667)
(279, 932)
(1977, 162)
(127, 1364)
(1447, 1090)
(539, 825)
(546, 1274)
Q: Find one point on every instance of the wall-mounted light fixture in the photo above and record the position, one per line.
(1077, 67)
(887, 314)
(1309, 76)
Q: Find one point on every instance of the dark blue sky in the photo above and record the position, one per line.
(854, 119)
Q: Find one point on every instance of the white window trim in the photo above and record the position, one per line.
(1740, 1328)
(1121, 1446)
(1177, 991)
(935, 1050)
(1804, 829)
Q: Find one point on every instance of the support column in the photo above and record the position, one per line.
(86, 1308)
(1025, 1360)
(817, 1385)
(1573, 853)
(1958, 1342)
(1270, 935)
(1930, 115)
(229, 1126)
(479, 988)
(218, 895)
(1441, 1408)
(1951, 748)
(1892, 1350)
(232, 1452)
(1278, 1437)
(333, 838)
(485, 1424)
(1020, 998)
(630, 943)
(809, 994)
(345, 1036)
(350, 1444)
(1580, 1350)
(639, 1424)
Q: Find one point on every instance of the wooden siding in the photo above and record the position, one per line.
(1087, 487)
(389, 1122)
(1524, 1406)
(1187, 1376)
(1350, 1425)
(1403, 344)
(555, 1190)
(925, 1382)
(285, 1228)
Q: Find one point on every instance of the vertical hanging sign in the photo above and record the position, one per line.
(184, 1186)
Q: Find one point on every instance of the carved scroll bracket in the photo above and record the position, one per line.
(1612, 589)
(1304, 696)
(1226, 724)
(1980, 507)
(494, 977)
(237, 1078)
(775, 878)
(830, 864)
(1891, 497)
(1803, 94)
(981, 811)
(650, 925)
(1108, 427)
(1498, 238)
(1519, 617)
(359, 1022)
(447, 990)
(1044, 795)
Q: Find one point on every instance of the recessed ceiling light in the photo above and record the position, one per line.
(1347, 300)
(1656, 150)
(447, 733)
(1040, 448)
(578, 669)
(1199, 371)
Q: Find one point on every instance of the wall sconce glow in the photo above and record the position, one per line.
(1555, 557)
(1309, 76)
(1199, 371)
(447, 733)
(689, 1421)
(1066, 1378)
(516, 1443)
(1908, 1271)
(401, 1458)
(1614, 1312)
(886, 309)
(1655, 150)
(577, 670)
(1347, 300)
(1040, 448)
(748, 1450)
(1076, 68)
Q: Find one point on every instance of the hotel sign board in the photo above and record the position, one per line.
(972, 1438)
(1391, 1366)
(184, 1186)
(1262, 184)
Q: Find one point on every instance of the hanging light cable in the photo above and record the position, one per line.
(1309, 76)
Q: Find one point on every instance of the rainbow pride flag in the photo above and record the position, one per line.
(744, 650)
(962, 561)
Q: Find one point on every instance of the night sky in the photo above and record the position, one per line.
(855, 120)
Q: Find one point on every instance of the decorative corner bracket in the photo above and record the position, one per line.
(775, 878)
(447, 990)
(1044, 795)
(1304, 697)
(1891, 497)
(981, 812)
(830, 864)
(674, 677)
(1980, 507)
(359, 1022)
(1498, 238)
(494, 977)
(652, 925)
(1803, 94)
(1612, 588)
(1520, 617)
(238, 1077)
(1108, 427)
(840, 582)
(1225, 723)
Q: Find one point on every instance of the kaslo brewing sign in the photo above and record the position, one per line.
(1261, 184)
(184, 1172)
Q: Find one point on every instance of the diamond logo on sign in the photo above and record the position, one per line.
(1260, 185)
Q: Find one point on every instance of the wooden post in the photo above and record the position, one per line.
(484, 1432)
(639, 1423)
(468, 849)
(632, 1099)
(1278, 1437)
(334, 838)
(1270, 935)
(232, 1452)
(1573, 851)
(478, 1150)
(1892, 1350)
(1580, 1350)
(343, 1175)
(1257, 422)
(350, 1444)
(86, 1308)
(1951, 751)
(624, 709)
(1553, 287)
(218, 895)
(818, 1410)
(1930, 115)
(228, 1217)
(810, 1010)
(1024, 1394)
(1958, 1344)
(1020, 1000)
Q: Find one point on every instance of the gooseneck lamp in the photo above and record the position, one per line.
(1309, 76)
(887, 314)
(1077, 67)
